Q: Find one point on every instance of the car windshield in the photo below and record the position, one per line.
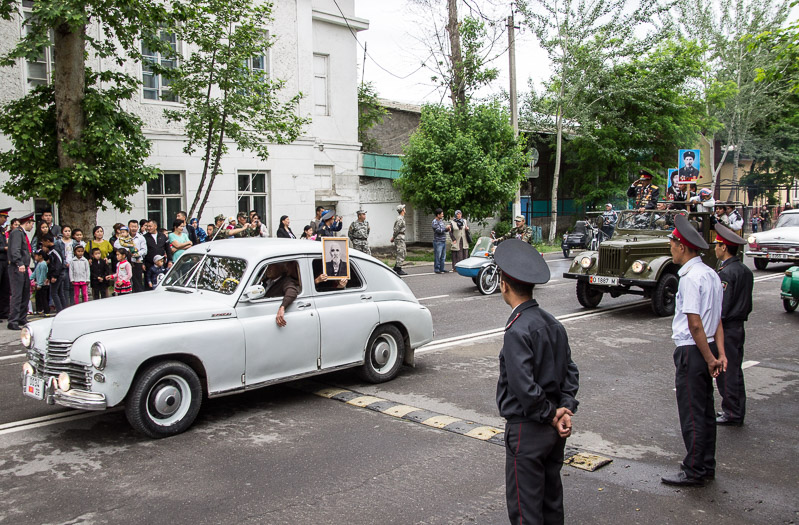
(647, 220)
(788, 219)
(483, 245)
(212, 273)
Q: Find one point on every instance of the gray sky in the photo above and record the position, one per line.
(392, 42)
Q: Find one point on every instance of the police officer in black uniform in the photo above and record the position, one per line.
(645, 193)
(19, 258)
(536, 391)
(5, 289)
(737, 281)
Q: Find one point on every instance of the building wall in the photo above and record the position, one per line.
(393, 133)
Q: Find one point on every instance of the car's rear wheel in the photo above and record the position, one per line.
(384, 355)
(790, 304)
(664, 297)
(588, 296)
(164, 400)
(488, 279)
(761, 263)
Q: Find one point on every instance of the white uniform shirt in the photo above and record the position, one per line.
(699, 292)
(735, 220)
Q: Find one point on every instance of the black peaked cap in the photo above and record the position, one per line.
(521, 262)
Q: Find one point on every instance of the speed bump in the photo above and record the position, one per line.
(586, 461)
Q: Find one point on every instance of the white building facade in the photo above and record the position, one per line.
(315, 52)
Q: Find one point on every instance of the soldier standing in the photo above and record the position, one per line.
(645, 193)
(359, 233)
(398, 238)
(19, 257)
(520, 231)
(737, 281)
(699, 357)
(536, 390)
(5, 290)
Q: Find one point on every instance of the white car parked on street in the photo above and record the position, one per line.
(210, 328)
(779, 244)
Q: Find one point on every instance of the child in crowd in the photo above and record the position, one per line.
(156, 272)
(55, 271)
(100, 274)
(308, 234)
(122, 279)
(42, 283)
(80, 274)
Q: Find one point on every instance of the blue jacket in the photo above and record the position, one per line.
(439, 230)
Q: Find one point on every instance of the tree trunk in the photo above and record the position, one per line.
(77, 209)
(216, 159)
(208, 142)
(553, 223)
(457, 87)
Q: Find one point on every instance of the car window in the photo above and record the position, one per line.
(276, 276)
(788, 219)
(331, 285)
(207, 272)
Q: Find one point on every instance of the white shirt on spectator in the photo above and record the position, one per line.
(700, 293)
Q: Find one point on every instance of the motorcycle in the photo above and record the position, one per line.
(480, 266)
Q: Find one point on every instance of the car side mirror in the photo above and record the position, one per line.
(254, 292)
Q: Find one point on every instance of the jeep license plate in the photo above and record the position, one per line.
(778, 256)
(34, 387)
(607, 281)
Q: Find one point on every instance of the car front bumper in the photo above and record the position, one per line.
(73, 398)
(774, 256)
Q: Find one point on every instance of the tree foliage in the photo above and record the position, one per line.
(465, 158)
(370, 113)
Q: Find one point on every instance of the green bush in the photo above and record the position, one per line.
(501, 228)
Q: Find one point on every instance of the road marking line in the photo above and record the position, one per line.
(39, 419)
(432, 297)
(749, 364)
(768, 277)
(15, 356)
(73, 415)
(417, 274)
(440, 421)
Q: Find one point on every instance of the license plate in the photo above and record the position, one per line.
(34, 387)
(607, 281)
(778, 256)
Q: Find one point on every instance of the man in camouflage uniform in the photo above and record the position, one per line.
(520, 231)
(399, 240)
(244, 229)
(219, 224)
(359, 233)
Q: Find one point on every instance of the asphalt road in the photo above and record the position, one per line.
(283, 455)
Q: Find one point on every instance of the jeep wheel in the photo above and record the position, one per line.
(761, 263)
(566, 252)
(164, 399)
(664, 295)
(790, 304)
(588, 296)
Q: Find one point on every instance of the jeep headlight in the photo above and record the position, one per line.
(64, 382)
(751, 239)
(586, 262)
(639, 267)
(27, 337)
(98, 355)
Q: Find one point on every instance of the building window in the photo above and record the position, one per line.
(155, 85)
(252, 193)
(323, 177)
(320, 84)
(38, 72)
(165, 198)
(260, 62)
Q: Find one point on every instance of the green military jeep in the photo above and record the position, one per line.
(637, 260)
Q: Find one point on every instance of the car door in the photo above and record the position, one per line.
(347, 317)
(274, 352)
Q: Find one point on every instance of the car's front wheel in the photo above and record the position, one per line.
(587, 295)
(164, 400)
(761, 263)
(384, 355)
(790, 304)
(488, 279)
(665, 294)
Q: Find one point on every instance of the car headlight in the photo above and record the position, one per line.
(751, 239)
(638, 266)
(586, 262)
(98, 355)
(64, 382)
(27, 337)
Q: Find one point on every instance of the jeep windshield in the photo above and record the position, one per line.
(647, 220)
(205, 272)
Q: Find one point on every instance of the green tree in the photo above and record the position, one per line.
(464, 158)
(225, 88)
(96, 151)
(370, 113)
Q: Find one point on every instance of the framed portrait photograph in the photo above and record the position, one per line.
(671, 184)
(689, 162)
(336, 257)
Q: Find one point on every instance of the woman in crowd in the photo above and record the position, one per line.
(66, 248)
(97, 241)
(283, 230)
(42, 229)
(202, 236)
(178, 239)
(459, 234)
(308, 234)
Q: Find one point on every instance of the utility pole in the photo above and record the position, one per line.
(514, 103)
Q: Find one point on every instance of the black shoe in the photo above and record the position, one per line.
(724, 420)
(12, 326)
(682, 480)
(399, 271)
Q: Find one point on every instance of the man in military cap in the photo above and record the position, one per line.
(699, 357)
(329, 226)
(19, 258)
(520, 231)
(645, 193)
(398, 238)
(244, 229)
(536, 391)
(688, 172)
(737, 282)
(5, 289)
(359, 233)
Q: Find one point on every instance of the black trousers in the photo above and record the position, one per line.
(138, 276)
(5, 290)
(533, 460)
(99, 291)
(43, 300)
(731, 383)
(20, 295)
(695, 407)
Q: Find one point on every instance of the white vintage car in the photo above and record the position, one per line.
(210, 328)
(779, 244)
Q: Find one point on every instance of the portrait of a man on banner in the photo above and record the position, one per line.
(689, 163)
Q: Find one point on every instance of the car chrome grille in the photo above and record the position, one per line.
(56, 360)
(609, 260)
(779, 248)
